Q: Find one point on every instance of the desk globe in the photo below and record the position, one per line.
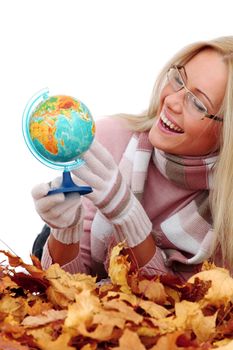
(58, 130)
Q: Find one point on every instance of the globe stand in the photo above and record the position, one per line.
(68, 186)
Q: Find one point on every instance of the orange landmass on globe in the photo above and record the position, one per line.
(61, 105)
(44, 133)
(43, 126)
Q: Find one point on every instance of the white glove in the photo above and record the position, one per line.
(64, 214)
(112, 196)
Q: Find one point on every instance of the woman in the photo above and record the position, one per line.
(152, 177)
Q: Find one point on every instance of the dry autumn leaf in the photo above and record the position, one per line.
(55, 310)
(119, 268)
(221, 289)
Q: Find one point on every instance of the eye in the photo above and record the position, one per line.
(198, 105)
(178, 80)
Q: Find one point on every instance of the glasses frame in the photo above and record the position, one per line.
(205, 114)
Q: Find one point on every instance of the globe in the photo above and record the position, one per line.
(58, 130)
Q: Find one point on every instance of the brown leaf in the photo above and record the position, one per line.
(15, 307)
(154, 310)
(221, 289)
(65, 286)
(169, 342)
(6, 344)
(103, 332)
(127, 311)
(130, 341)
(119, 268)
(45, 340)
(190, 317)
(153, 290)
(46, 317)
(82, 310)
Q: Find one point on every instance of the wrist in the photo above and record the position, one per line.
(71, 234)
(116, 201)
(132, 224)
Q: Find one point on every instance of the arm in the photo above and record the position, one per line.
(62, 253)
(116, 203)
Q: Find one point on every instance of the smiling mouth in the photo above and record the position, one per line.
(168, 125)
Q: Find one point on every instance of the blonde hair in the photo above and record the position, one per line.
(221, 198)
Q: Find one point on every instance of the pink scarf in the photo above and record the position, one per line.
(193, 173)
(190, 228)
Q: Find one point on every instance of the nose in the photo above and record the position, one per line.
(175, 101)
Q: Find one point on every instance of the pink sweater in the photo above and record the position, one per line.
(160, 200)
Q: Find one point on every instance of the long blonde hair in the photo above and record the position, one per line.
(221, 198)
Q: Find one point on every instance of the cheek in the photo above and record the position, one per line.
(164, 93)
(206, 136)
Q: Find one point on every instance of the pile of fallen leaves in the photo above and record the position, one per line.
(55, 310)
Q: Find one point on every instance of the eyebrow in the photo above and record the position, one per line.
(198, 90)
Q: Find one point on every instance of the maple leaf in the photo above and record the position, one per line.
(110, 317)
(82, 310)
(129, 341)
(64, 286)
(46, 317)
(16, 261)
(6, 282)
(190, 317)
(34, 284)
(130, 312)
(45, 341)
(130, 298)
(195, 291)
(154, 310)
(14, 307)
(36, 305)
(103, 332)
(153, 290)
(169, 342)
(126, 311)
(6, 344)
(15, 330)
(221, 290)
(119, 268)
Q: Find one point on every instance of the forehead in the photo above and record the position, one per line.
(208, 72)
(207, 67)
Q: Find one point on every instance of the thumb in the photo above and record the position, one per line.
(40, 191)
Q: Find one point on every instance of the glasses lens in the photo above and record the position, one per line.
(175, 79)
(194, 105)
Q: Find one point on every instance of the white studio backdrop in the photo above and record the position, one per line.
(106, 53)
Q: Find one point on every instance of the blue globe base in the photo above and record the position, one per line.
(68, 186)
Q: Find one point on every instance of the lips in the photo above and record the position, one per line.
(169, 125)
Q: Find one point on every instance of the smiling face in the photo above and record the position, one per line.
(177, 130)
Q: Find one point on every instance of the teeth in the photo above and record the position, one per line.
(170, 124)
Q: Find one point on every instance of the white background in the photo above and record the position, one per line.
(106, 53)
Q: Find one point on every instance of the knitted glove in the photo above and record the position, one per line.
(62, 213)
(112, 196)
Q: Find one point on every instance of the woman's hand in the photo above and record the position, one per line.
(112, 196)
(62, 213)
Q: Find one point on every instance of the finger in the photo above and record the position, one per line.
(62, 205)
(87, 176)
(63, 221)
(56, 182)
(44, 204)
(99, 152)
(40, 191)
(97, 167)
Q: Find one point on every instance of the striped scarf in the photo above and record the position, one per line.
(189, 229)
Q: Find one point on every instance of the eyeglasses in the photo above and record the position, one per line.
(193, 104)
